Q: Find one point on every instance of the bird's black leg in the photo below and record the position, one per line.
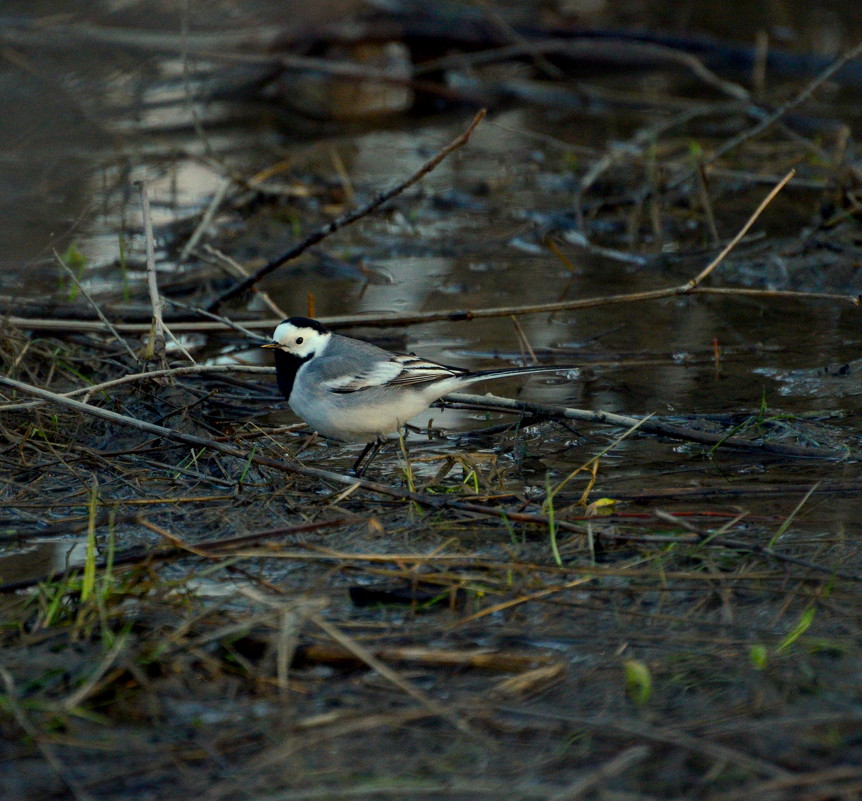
(370, 450)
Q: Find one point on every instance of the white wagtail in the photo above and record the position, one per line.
(356, 392)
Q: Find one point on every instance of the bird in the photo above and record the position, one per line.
(350, 390)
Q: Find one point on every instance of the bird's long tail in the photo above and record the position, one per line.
(490, 375)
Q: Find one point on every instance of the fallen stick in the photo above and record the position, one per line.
(68, 325)
(650, 426)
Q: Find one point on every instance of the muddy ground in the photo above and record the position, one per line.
(543, 604)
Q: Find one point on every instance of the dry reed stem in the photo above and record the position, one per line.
(608, 770)
(363, 654)
(649, 426)
(65, 325)
(677, 737)
(156, 343)
(95, 306)
(741, 233)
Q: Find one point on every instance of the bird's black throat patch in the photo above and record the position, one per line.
(286, 367)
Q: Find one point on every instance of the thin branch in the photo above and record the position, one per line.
(206, 220)
(348, 218)
(156, 343)
(650, 426)
(171, 372)
(363, 654)
(493, 402)
(779, 112)
(225, 321)
(231, 264)
(607, 770)
(296, 468)
(95, 306)
(442, 315)
(742, 231)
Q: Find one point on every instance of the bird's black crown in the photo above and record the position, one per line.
(307, 322)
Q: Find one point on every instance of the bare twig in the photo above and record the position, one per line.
(620, 49)
(742, 231)
(494, 402)
(445, 315)
(348, 218)
(156, 344)
(426, 500)
(779, 112)
(763, 550)
(95, 306)
(363, 654)
(239, 270)
(218, 197)
(607, 770)
(225, 321)
(648, 426)
(172, 372)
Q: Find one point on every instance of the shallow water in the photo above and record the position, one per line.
(471, 235)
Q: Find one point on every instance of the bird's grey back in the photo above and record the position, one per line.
(342, 357)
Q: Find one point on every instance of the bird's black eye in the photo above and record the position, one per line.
(299, 340)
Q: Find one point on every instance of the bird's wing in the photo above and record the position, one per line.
(415, 370)
(375, 375)
(396, 371)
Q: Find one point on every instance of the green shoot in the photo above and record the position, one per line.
(88, 583)
(786, 524)
(589, 465)
(758, 656)
(638, 681)
(76, 262)
(805, 621)
(247, 465)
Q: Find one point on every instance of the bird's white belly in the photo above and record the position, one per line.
(357, 418)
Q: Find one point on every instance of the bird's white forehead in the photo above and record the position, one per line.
(286, 333)
(283, 331)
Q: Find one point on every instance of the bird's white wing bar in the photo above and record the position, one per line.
(397, 371)
(376, 375)
(415, 370)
